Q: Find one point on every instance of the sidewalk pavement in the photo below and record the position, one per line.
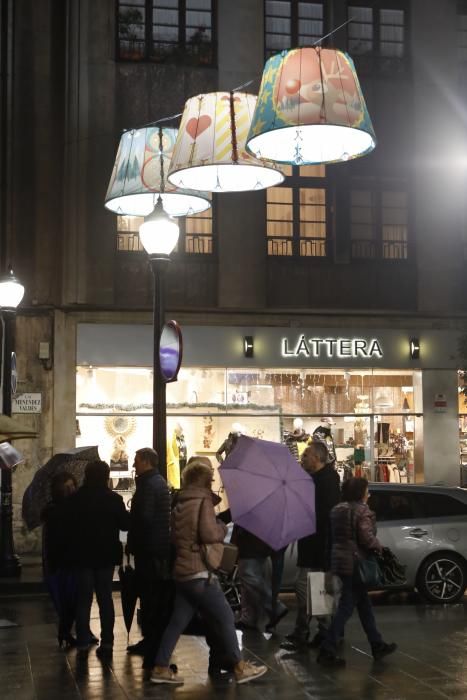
(429, 664)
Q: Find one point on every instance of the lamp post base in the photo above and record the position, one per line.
(11, 568)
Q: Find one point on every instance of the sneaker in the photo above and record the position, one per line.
(326, 658)
(245, 672)
(166, 675)
(379, 651)
(293, 643)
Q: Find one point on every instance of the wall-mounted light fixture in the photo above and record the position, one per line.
(414, 348)
(44, 356)
(248, 346)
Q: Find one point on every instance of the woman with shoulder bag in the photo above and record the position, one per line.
(195, 533)
(353, 538)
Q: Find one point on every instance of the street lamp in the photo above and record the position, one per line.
(11, 293)
(159, 236)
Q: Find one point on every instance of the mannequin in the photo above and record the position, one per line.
(119, 456)
(176, 456)
(323, 434)
(297, 440)
(229, 443)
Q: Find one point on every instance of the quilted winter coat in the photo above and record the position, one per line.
(353, 534)
(192, 526)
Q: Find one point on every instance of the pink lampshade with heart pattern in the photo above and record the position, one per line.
(210, 154)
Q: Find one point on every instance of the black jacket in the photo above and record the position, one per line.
(55, 543)
(95, 517)
(312, 550)
(149, 534)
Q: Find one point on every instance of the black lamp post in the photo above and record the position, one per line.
(159, 236)
(11, 293)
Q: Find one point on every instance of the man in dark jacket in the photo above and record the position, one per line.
(95, 516)
(312, 550)
(149, 542)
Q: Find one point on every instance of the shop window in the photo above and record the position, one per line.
(179, 31)
(195, 234)
(373, 425)
(377, 35)
(289, 24)
(379, 224)
(297, 213)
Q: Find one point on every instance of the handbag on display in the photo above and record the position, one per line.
(319, 601)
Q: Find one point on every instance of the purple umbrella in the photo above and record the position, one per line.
(269, 493)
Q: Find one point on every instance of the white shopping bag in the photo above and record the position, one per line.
(318, 600)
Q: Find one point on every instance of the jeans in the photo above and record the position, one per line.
(256, 584)
(100, 581)
(205, 596)
(302, 622)
(353, 594)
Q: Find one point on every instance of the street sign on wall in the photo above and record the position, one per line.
(27, 403)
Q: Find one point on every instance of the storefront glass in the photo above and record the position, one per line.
(373, 424)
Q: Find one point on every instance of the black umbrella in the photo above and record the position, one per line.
(38, 494)
(128, 593)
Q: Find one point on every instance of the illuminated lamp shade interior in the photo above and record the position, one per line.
(210, 152)
(140, 174)
(310, 110)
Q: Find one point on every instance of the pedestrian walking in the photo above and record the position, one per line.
(95, 516)
(353, 536)
(149, 542)
(59, 577)
(312, 550)
(258, 605)
(194, 526)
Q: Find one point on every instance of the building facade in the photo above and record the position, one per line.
(333, 273)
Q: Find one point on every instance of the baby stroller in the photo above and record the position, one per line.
(231, 587)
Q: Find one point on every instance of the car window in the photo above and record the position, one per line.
(435, 505)
(392, 505)
(396, 505)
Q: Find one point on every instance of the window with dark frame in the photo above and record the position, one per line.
(196, 234)
(289, 24)
(377, 35)
(378, 221)
(180, 31)
(296, 213)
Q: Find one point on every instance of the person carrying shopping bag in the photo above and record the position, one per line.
(194, 527)
(353, 537)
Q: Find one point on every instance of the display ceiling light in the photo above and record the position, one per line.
(310, 110)
(140, 175)
(210, 153)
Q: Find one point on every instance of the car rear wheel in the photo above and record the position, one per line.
(442, 578)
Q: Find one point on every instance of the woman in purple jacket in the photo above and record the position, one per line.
(353, 535)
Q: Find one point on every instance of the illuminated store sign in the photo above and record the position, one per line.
(332, 347)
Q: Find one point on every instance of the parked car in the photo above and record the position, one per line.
(426, 528)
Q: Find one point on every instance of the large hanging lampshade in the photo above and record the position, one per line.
(140, 175)
(310, 110)
(210, 150)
